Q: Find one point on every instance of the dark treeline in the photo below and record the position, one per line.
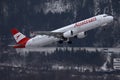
(80, 57)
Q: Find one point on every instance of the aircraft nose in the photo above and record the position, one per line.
(111, 18)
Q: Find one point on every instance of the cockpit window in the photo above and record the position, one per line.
(105, 15)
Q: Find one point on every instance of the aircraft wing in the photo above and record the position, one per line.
(48, 33)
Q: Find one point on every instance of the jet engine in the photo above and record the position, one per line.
(68, 34)
(81, 35)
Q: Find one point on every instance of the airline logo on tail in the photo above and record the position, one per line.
(20, 38)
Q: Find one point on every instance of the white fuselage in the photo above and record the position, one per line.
(78, 27)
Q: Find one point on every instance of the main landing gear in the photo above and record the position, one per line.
(65, 40)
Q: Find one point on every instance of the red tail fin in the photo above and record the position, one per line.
(20, 38)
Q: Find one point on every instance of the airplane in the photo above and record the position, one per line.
(78, 29)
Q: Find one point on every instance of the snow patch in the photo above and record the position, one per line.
(53, 7)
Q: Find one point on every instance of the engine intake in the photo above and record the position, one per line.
(68, 34)
(81, 35)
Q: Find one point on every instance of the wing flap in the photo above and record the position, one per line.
(48, 33)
